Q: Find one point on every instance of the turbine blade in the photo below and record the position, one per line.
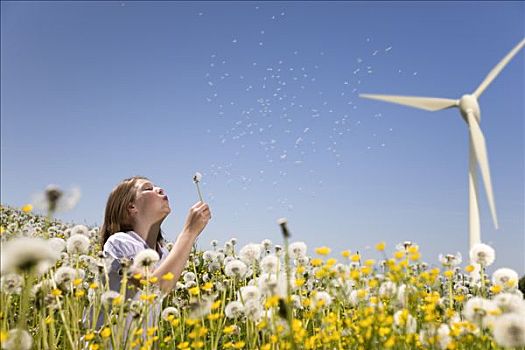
(498, 68)
(426, 103)
(480, 151)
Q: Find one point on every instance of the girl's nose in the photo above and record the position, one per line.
(161, 191)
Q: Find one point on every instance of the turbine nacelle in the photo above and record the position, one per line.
(468, 104)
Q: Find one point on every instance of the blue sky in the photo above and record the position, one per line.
(261, 98)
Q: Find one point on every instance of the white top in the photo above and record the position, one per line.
(126, 245)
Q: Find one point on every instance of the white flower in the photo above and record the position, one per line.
(209, 255)
(443, 334)
(450, 259)
(509, 331)
(510, 303)
(297, 250)
(55, 199)
(18, 339)
(170, 311)
(266, 244)
(248, 293)
(77, 244)
(253, 310)
(388, 289)
(404, 321)
(108, 297)
(322, 299)
(80, 230)
(189, 276)
(27, 254)
(65, 274)
(11, 283)
(145, 259)
(480, 310)
(197, 177)
(250, 253)
(235, 268)
(271, 284)
(198, 309)
(57, 244)
(507, 278)
(270, 263)
(234, 309)
(282, 221)
(482, 254)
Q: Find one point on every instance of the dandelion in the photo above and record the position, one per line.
(189, 276)
(196, 179)
(450, 259)
(65, 274)
(478, 309)
(80, 230)
(248, 293)
(266, 244)
(18, 339)
(506, 278)
(404, 321)
(11, 283)
(169, 313)
(250, 253)
(388, 289)
(27, 254)
(235, 268)
(234, 309)
(270, 264)
(54, 199)
(322, 299)
(482, 254)
(198, 309)
(110, 297)
(510, 303)
(323, 250)
(145, 259)
(57, 244)
(253, 310)
(77, 244)
(509, 331)
(209, 255)
(297, 250)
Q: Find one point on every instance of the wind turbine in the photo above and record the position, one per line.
(469, 108)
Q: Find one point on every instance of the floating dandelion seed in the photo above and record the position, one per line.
(196, 179)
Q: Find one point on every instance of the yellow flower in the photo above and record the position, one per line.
(496, 289)
(380, 246)
(469, 268)
(167, 339)
(168, 276)
(390, 342)
(323, 250)
(345, 253)
(355, 257)
(56, 292)
(299, 282)
(183, 345)
(93, 285)
(89, 336)
(216, 305)
(94, 346)
(137, 276)
(197, 344)
(194, 291)
(207, 286)
(316, 262)
(399, 254)
(229, 329)
(331, 262)
(213, 317)
(27, 208)
(153, 279)
(77, 281)
(80, 293)
(370, 262)
(105, 333)
(413, 249)
(239, 345)
(448, 274)
(151, 331)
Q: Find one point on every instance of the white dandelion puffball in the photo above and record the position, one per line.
(170, 311)
(478, 309)
(57, 244)
(297, 250)
(450, 259)
(273, 285)
(27, 254)
(482, 254)
(250, 253)
(322, 299)
(234, 309)
(405, 321)
(65, 274)
(108, 297)
(197, 177)
(510, 303)
(11, 283)
(146, 259)
(248, 293)
(443, 334)
(505, 277)
(189, 276)
(253, 310)
(509, 331)
(388, 289)
(80, 230)
(77, 244)
(282, 221)
(18, 339)
(270, 264)
(235, 268)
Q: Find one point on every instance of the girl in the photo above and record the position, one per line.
(134, 213)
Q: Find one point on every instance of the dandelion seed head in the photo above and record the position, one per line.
(77, 244)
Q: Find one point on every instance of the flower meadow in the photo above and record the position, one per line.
(54, 295)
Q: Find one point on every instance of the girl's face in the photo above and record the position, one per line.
(151, 201)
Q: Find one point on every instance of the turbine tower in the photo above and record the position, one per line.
(469, 109)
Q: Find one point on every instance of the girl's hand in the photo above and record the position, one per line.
(197, 219)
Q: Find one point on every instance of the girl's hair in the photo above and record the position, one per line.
(116, 217)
